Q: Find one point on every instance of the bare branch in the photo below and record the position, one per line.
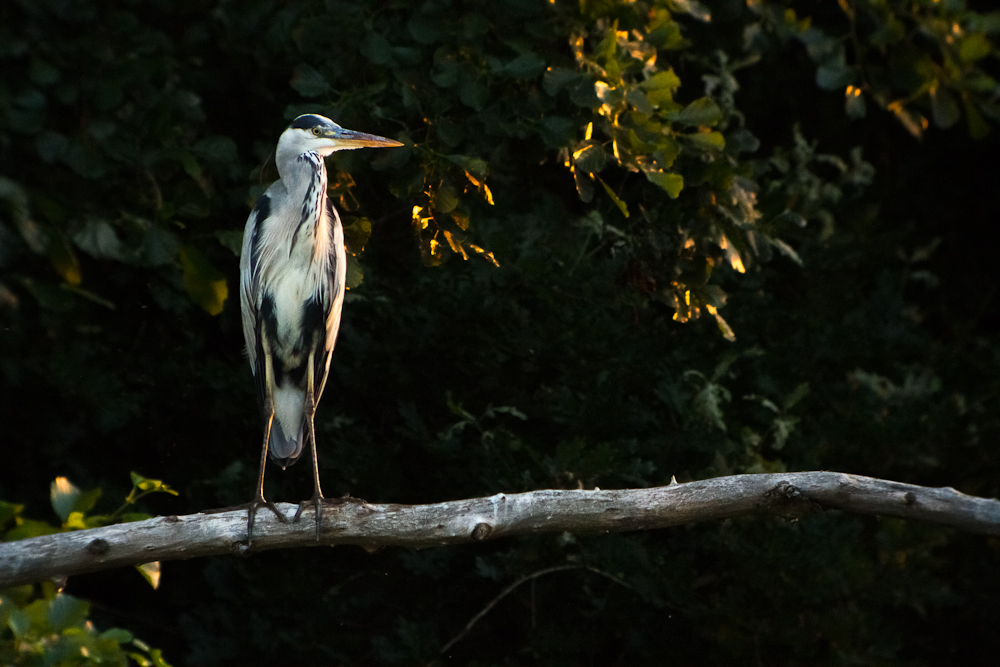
(478, 519)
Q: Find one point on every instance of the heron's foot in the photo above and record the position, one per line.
(317, 501)
(252, 508)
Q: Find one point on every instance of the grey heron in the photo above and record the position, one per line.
(292, 274)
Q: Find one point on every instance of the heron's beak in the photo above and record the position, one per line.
(348, 139)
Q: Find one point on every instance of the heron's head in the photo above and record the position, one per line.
(311, 133)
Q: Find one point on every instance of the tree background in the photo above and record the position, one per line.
(624, 241)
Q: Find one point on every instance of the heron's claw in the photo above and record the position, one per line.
(252, 508)
(317, 501)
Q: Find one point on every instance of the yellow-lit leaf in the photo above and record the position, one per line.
(63, 496)
(611, 193)
(487, 255)
(461, 220)
(914, 123)
(203, 282)
(727, 331)
(150, 572)
(456, 246)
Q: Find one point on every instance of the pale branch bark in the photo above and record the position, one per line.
(461, 521)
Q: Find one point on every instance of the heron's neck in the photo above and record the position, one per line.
(296, 168)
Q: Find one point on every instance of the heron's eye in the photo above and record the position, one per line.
(317, 132)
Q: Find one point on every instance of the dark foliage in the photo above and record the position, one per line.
(621, 243)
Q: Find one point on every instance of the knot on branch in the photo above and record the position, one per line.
(786, 500)
(98, 547)
(482, 531)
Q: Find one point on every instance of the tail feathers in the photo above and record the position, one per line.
(284, 450)
(288, 428)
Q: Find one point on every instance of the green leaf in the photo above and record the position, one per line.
(800, 392)
(525, 66)
(86, 500)
(834, 76)
(117, 635)
(707, 140)
(670, 182)
(591, 158)
(584, 185)
(854, 103)
(425, 29)
(703, 111)
(944, 108)
(355, 274)
(473, 93)
(975, 46)
(217, 148)
(978, 129)
(232, 239)
(356, 234)
(42, 73)
(19, 623)
(377, 49)
(99, 240)
(660, 88)
(66, 611)
(8, 512)
(557, 78)
(664, 80)
(150, 485)
(308, 82)
(474, 165)
(445, 198)
(557, 131)
(30, 528)
(203, 282)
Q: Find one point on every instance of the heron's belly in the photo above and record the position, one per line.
(295, 283)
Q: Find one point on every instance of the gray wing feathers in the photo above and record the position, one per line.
(335, 294)
(250, 279)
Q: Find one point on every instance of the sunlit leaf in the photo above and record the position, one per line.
(204, 283)
(614, 197)
(455, 244)
(151, 573)
(63, 496)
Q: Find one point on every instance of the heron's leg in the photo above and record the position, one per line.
(258, 499)
(310, 410)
